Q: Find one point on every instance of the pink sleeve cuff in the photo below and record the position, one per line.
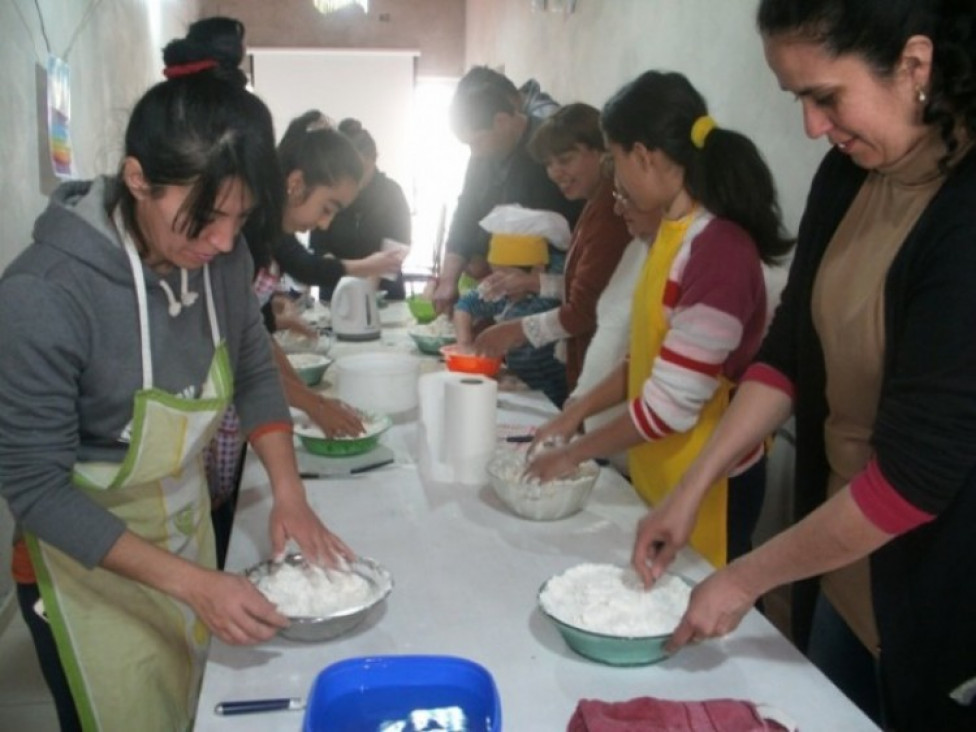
(883, 506)
(766, 374)
(267, 428)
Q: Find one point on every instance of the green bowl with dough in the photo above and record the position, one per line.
(431, 344)
(613, 650)
(315, 441)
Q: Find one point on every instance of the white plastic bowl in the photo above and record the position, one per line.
(378, 382)
(530, 499)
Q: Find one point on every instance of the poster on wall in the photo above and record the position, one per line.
(59, 116)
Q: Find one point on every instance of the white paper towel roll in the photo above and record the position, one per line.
(457, 426)
(469, 415)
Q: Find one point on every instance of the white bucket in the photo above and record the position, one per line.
(378, 382)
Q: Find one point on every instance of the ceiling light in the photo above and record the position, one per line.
(330, 6)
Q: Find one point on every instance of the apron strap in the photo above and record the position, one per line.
(211, 309)
(139, 278)
(135, 264)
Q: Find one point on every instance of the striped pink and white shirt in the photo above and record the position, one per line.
(715, 304)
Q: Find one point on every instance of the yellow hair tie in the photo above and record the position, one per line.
(700, 130)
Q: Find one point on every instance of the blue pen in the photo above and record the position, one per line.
(250, 706)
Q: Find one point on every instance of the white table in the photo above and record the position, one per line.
(466, 576)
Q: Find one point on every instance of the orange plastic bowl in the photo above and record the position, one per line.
(459, 359)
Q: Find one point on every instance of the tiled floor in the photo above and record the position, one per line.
(25, 703)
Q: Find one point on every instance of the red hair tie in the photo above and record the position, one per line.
(172, 72)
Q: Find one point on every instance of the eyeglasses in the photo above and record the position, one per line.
(620, 198)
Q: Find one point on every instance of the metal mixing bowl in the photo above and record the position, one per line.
(312, 630)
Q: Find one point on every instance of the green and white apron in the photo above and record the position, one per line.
(134, 656)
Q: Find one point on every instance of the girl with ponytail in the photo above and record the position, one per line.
(699, 307)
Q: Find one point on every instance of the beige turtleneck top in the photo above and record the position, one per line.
(848, 314)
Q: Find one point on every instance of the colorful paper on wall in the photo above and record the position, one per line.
(59, 116)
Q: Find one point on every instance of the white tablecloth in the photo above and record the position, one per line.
(466, 575)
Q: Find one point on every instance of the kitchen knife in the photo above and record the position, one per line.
(250, 706)
(352, 471)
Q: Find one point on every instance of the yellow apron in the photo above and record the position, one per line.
(655, 467)
(132, 655)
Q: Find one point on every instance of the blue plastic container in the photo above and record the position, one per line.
(412, 693)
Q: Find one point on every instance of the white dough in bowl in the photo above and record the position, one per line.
(611, 600)
(312, 592)
(373, 424)
(440, 327)
(306, 360)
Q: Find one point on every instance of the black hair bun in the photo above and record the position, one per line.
(350, 126)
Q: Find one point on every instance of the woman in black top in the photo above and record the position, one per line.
(379, 212)
(880, 375)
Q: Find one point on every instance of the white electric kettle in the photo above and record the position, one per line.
(355, 315)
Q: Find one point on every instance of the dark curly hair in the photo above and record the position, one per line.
(877, 30)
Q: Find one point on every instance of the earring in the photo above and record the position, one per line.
(920, 95)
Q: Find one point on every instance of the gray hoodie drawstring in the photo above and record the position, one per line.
(187, 298)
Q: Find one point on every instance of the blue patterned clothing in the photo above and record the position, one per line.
(537, 367)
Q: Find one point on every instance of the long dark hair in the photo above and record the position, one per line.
(727, 174)
(323, 154)
(877, 31)
(200, 130)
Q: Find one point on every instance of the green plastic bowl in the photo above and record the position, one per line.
(421, 308)
(431, 344)
(613, 650)
(610, 649)
(315, 442)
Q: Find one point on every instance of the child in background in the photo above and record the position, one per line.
(537, 367)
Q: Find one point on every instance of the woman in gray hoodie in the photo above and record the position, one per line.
(135, 327)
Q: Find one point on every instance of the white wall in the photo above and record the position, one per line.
(588, 55)
(374, 86)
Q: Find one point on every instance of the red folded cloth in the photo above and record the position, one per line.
(662, 715)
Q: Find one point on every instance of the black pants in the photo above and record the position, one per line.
(746, 494)
(47, 656)
(836, 651)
